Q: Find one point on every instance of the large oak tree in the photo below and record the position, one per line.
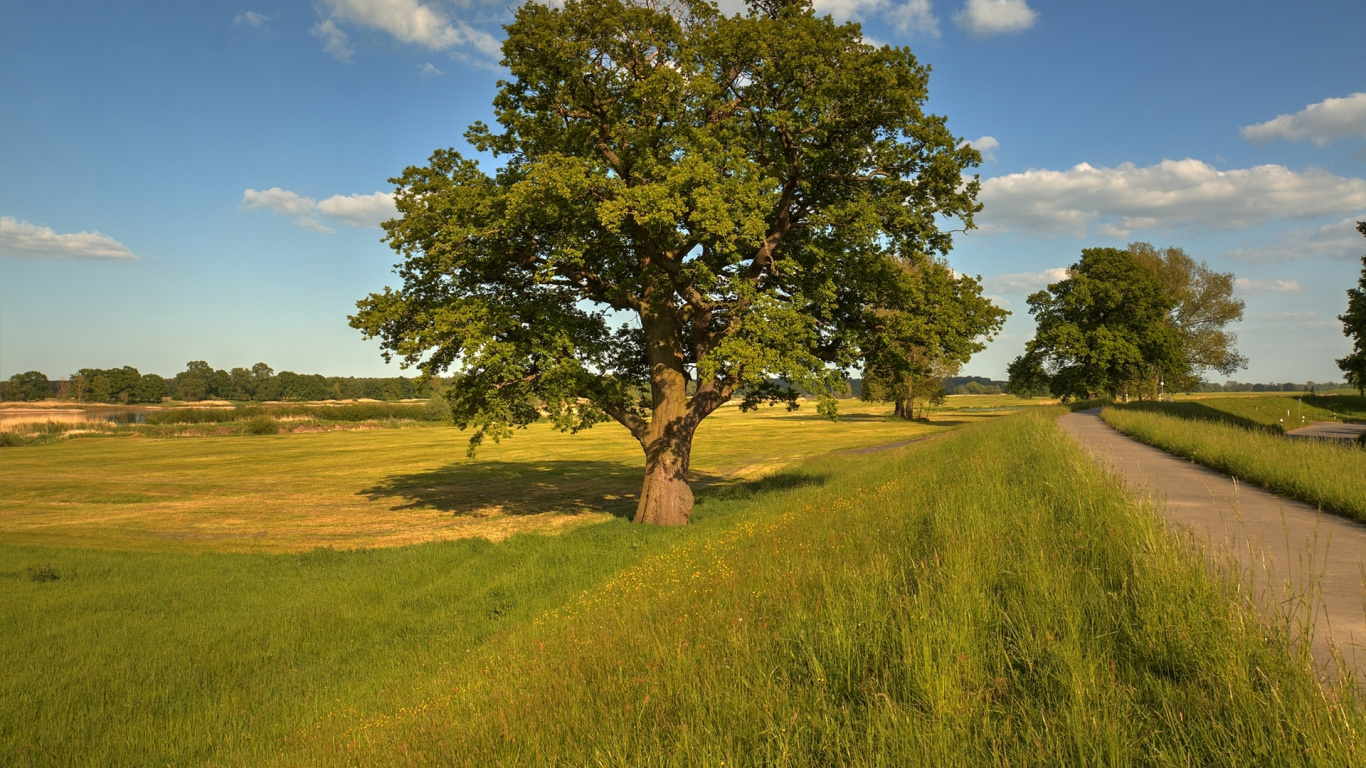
(689, 206)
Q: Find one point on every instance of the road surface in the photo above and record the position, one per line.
(1284, 548)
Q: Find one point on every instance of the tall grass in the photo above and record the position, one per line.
(989, 599)
(986, 598)
(1327, 474)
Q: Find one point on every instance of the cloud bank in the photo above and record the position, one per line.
(1318, 123)
(29, 241)
(1172, 195)
(1022, 283)
(1339, 240)
(985, 18)
(1254, 287)
(354, 210)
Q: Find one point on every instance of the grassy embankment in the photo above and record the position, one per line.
(986, 598)
(1276, 412)
(1330, 475)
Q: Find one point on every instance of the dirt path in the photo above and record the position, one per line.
(1283, 547)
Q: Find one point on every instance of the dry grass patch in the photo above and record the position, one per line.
(350, 489)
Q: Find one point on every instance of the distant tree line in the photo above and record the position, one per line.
(201, 381)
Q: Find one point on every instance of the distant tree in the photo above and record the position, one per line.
(1204, 306)
(1099, 330)
(29, 386)
(192, 384)
(910, 351)
(1354, 327)
(150, 389)
(692, 206)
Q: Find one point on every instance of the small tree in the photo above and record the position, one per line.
(690, 206)
(1354, 327)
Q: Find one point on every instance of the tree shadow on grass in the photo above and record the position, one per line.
(1196, 412)
(566, 487)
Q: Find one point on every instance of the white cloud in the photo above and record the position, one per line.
(408, 21)
(360, 210)
(30, 241)
(1271, 285)
(915, 17)
(987, 145)
(984, 18)
(354, 210)
(1339, 240)
(1174, 194)
(911, 17)
(1319, 123)
(429, 70)
(252, 19)
(1021, 283)
(335, 41)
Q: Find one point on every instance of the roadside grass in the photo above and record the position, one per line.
(1277, 412)
(384, 487)
(1327, 474)
(989, 598)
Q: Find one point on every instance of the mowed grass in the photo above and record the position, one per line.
(384, 487)
(1328, 474)
(988, 598)
(1279, 412)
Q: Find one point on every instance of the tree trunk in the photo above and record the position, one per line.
(666, 498)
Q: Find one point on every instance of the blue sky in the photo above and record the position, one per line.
(202, 180)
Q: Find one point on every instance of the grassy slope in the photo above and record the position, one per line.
(1277, 411)
(1325, 474)
(381, 487)
(989, 598)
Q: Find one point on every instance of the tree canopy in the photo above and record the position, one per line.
(1099, 330)
(689, 206)
(1354, 327)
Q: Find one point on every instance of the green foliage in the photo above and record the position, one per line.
(29, 386)
(1354, 327)
(1323, 473)
(690, 206)
(1204, 305)
(1100, 331)
(912, 350)
(263, 425)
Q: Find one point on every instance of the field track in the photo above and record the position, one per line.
(1283, 548)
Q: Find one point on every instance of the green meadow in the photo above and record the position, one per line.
(1328, 474)
(988, 597)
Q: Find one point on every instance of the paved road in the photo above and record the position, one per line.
(1329, 430)
(1283, 547)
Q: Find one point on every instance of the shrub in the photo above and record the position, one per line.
(263, 425)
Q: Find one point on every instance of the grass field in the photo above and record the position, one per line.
(385, 487)
(987, 598)
(1327, 474)
(1278, 412)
